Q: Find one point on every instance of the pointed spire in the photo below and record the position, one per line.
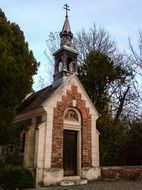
(66, 34)
(66, 26)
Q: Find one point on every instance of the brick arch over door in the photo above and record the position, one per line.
(58, 125)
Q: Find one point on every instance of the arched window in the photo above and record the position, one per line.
(22, 140)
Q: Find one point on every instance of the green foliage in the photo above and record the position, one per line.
(120, 143)
(11, 178)
(13, 158)
(134, 144)
(97, 74)
(113, 138)
(11, 150)
(17, 66)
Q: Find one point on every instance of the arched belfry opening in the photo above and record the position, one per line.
(59, 65)
(66, 57)
(70, 65)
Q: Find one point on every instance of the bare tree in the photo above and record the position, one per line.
(136, 54)
(136, 62)
(95, 39)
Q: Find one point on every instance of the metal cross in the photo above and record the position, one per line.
(67, 8)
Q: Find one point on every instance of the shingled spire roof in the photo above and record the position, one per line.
(66, 26)
(66, 34)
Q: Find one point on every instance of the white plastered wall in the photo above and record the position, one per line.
(29, 147)
(39, 151)
(95, 143)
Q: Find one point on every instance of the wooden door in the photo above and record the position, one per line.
(70, 152)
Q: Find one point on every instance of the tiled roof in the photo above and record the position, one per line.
(36, 99)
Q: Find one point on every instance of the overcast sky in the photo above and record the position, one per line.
(37, 18)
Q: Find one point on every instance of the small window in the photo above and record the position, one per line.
(11, 148)
(38, 119)
(23, 138)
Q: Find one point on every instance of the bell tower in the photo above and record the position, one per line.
(66, 56)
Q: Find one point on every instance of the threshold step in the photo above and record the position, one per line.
(73, 182)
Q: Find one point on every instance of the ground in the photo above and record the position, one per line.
(120, 185)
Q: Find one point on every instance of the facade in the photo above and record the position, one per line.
(59, 123)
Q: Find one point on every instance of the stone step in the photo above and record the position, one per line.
(71, 182)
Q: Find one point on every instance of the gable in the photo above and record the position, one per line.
(70, 84)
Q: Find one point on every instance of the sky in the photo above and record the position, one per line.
(37, 18)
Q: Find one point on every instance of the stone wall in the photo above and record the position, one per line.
(125, 173)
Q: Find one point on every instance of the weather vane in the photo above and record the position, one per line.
(66, 7)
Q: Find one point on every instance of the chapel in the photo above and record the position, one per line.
(60, 139)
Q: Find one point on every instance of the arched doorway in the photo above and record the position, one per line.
(72, 142)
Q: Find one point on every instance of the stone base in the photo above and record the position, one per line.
(91, 173)
(52, 176)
